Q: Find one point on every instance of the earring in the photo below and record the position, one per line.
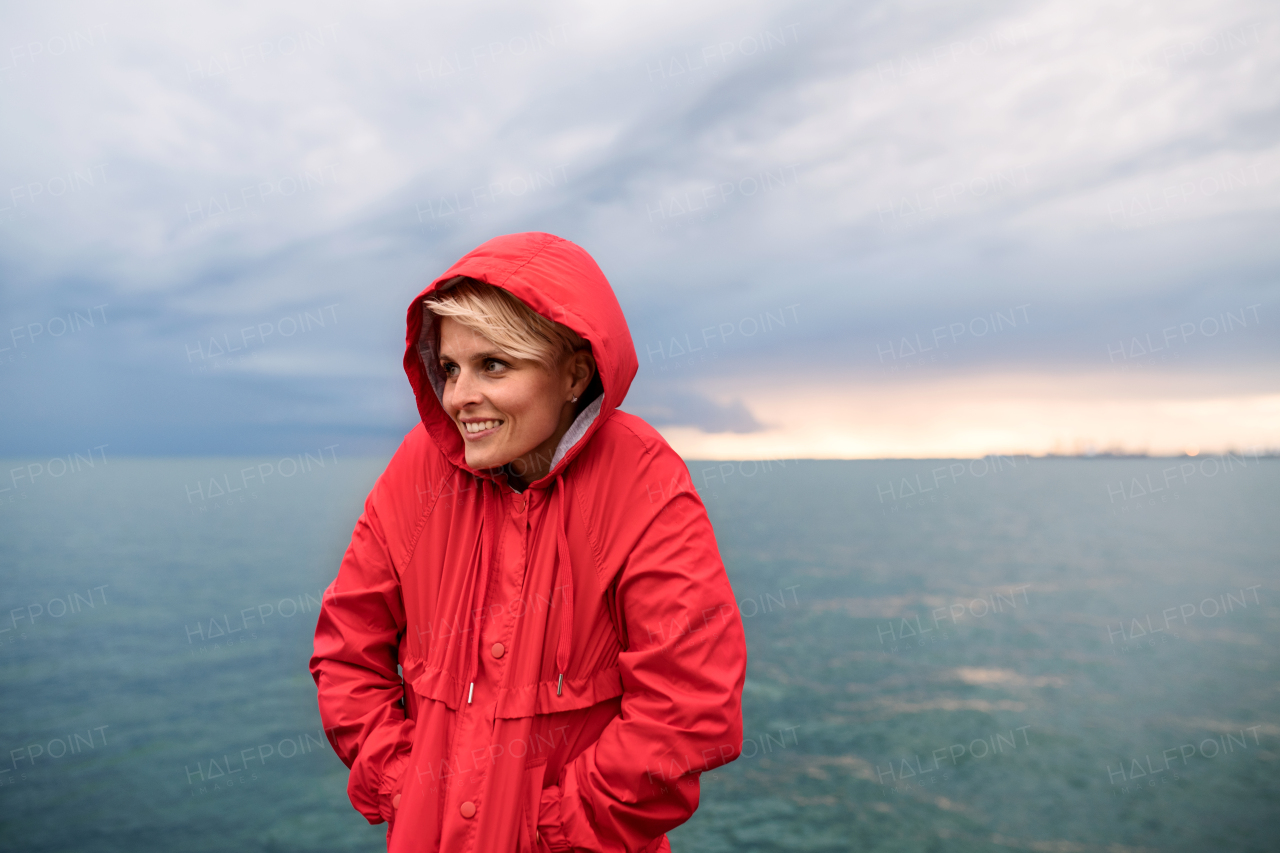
(574, 400)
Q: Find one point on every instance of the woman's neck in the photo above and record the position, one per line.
(513, 481)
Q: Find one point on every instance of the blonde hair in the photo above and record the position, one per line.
(502, 318)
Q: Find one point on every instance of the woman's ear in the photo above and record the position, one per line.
(581, 368)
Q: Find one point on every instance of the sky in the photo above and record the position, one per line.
(886, 229)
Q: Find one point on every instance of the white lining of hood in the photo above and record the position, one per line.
(577, 429)
(571, 437)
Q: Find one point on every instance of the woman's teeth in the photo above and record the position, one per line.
(480, 426)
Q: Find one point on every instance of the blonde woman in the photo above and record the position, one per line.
(531, 643)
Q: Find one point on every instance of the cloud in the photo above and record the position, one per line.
(882, 171)
(678, 408)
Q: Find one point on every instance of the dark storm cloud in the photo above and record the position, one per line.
(674, 408)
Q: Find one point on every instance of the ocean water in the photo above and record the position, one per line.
(1001, 654)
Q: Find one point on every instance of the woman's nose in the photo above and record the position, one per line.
(466, 389)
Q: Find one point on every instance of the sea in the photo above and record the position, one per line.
(1008, 653)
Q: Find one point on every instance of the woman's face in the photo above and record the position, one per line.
(507, 409)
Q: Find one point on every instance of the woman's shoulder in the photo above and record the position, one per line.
(418, 470)
(628, 476)
(624, 434)
(416, 451)
(629, 448)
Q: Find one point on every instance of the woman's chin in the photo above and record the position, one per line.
(480, 459)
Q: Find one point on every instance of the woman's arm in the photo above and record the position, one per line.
(354, 665)
(682, 677)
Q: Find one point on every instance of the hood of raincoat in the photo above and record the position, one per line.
(560, 281)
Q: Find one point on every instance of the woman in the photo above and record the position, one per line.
(538, 566)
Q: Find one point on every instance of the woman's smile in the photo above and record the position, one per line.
(476, 430)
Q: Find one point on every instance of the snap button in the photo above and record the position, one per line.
(468, 809)
(498, 650)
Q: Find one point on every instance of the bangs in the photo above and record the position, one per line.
(503, 319)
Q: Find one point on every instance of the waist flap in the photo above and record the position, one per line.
(531, 700)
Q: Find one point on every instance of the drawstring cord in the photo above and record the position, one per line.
(564, 567)
(488, 528)
(566, 604)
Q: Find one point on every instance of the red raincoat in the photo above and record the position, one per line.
(572, 656)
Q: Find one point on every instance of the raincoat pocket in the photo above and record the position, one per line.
(531, 792)
(390, 787)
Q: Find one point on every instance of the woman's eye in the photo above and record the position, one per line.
(495, 363)
(449, 369)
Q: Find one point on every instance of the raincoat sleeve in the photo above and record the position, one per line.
(682, 669)
(356, 651)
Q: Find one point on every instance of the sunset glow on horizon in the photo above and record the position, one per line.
(1007, 414)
